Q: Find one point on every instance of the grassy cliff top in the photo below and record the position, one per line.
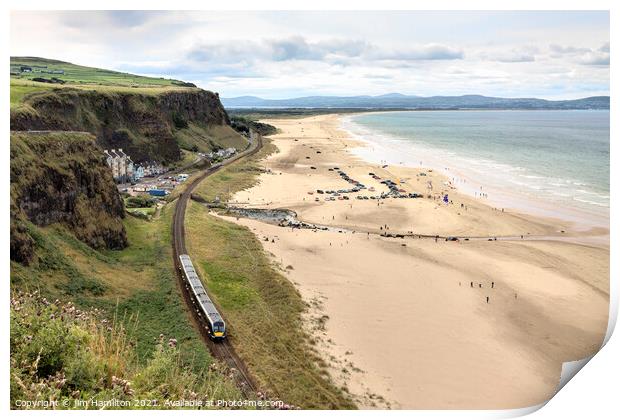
(25, 71)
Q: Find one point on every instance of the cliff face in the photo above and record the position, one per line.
(142, 125)
(62, 178)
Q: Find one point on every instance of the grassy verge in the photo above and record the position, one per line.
(61, 356)
(136, 283)
(145, 211)
(262, 308)
(21, 88)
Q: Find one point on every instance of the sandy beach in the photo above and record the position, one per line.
(418, 322)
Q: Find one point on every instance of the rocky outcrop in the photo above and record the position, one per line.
(62, 178)
(141, 124)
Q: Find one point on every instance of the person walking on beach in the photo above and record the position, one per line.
(471, 284)
(492, 284)
(487, 299)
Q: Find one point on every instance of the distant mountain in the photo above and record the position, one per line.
(397, 100)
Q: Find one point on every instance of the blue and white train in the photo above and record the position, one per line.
(216, 325)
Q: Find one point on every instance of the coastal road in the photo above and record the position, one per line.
(224, 350)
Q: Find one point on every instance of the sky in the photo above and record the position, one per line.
(552, 55)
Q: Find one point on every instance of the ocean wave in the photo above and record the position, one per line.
(594, 203)
(497, 177)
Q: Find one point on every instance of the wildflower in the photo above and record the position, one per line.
(59, 380)
(122, 383)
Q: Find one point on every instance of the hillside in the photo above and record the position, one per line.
(106, 324)
(71, 239)
(149, 118)
(28, 68)
(416, 102)
(62, 178)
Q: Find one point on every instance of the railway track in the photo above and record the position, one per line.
(224, 350)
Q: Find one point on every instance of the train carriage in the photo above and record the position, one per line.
(217, 326)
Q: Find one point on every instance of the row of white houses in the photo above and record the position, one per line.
(124, 169)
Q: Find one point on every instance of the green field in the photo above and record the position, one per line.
(83, 75)
(80, 77)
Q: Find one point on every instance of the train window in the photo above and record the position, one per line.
(218, 326)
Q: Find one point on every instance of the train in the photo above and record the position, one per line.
(216, 326)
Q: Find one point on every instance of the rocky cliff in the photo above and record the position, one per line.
(142, 124)
(62, 178)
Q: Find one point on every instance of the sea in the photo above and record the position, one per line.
(550, 163)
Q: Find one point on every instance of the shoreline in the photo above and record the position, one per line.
(470, 181)
(497, 345)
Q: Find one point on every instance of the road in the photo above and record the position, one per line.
(223, 351)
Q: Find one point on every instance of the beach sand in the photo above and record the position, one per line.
(397, 318)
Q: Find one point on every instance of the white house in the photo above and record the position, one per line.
(122, 165)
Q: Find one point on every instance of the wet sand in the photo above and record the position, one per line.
(397, 318)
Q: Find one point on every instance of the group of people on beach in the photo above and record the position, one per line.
(471, 285)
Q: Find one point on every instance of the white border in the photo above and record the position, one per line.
(591, 394)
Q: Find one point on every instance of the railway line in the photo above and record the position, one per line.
(223, 350)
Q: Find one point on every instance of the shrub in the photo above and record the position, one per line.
(140, 201)
(60, 354)
(179, 121)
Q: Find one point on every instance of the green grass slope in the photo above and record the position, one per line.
(82, 75)
(63, 357)
(135, 291)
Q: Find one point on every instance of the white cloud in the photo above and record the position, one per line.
(514, 55)
(278, 54)
(414, 53)
(299, 48)
(583, 55)
(595, 58)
